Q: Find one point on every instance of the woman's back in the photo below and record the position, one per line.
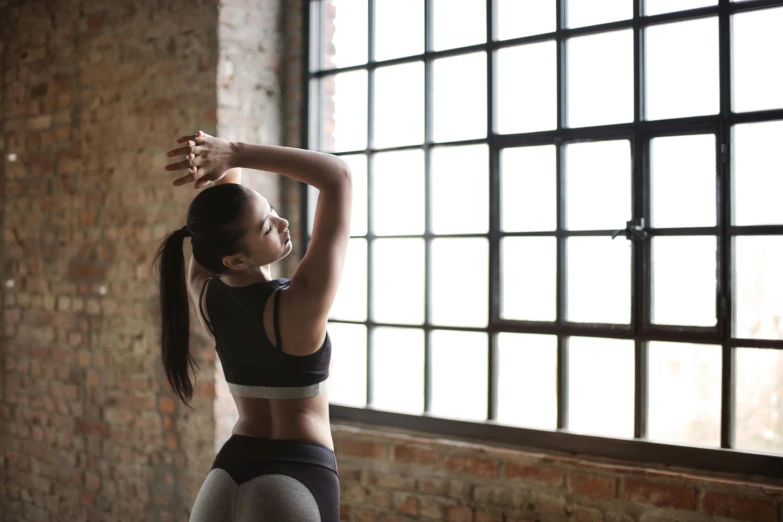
(280, 388)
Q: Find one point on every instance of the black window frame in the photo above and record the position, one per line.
(639, 132)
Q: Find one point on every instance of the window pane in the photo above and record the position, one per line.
(398, 192)
(598, 280)
(528, 189)
(398, 281)
(525, 18)
(759, 393)
(458, 26)
(530, 402)
(757, 77)
(348, 370)
(758, 182)
(351, 300)
(455, 302)
(598, 185)
(581, 13)
(459, 374)
(758, 280)
(460, 190)
(682, 181)
(312, 202)
(600, 79)
(601, 386)
(358, 164)
(459, 101)
(655, 7)
(528, 275)
(684, 393)
(684, 280)
(344, 32)
(344, 112)
(398, 357)
(682, 69)
(390, 16)
(399, 105)
(527, 88)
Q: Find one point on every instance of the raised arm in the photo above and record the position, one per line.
(315, 281)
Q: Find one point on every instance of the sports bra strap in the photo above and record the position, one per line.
(274, 318)
(201, 308)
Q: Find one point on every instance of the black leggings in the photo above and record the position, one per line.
(264, 480)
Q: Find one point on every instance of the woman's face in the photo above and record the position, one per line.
(266, 238)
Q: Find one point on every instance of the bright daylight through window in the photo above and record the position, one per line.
(566, 213)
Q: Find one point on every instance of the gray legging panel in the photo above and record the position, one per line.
(268, 498)
(265, 480)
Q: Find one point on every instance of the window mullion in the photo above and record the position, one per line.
(725, 299)
(370, 139)
(428, 24)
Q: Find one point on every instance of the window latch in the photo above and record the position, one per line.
(632, 231)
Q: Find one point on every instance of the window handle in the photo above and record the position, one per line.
(632, 231)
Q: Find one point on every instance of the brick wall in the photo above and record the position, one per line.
(399, 476)
(93, 93)
(249, 109)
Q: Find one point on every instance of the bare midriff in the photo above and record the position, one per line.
(290, 419)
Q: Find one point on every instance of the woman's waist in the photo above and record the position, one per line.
(287, 424)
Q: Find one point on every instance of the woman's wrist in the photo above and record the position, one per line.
(232, 175)
(237, 149)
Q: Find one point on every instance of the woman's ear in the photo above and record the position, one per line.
(235, 262)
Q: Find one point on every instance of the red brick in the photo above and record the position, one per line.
(171, 441)
(87, 497)
(167, 405)
(87, 217)
(432, 486)
(459, 514)
(361, 448)
(471, 465)
(33, 140)
(363, 515)
(385, 480)
(345, 512)
(543, 475)
(753, 510)
(87, 270)
(584, 514)
(415, 455)
(47, 137)
(547, 504)
(482, 516)
(95, 22)
(410, 506)
(592, 485)
(662, 495)
(381, 498)
(63, 133)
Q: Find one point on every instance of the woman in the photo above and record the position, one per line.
(270, 334)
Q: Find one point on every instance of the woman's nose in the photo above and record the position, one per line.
(284, 222)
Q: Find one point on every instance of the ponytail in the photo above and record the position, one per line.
(175, 315)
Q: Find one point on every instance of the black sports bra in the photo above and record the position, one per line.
(252, 365)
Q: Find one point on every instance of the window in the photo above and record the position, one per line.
(567, 230)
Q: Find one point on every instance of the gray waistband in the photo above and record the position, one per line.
(274, 392)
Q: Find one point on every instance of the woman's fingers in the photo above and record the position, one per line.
(178, 166)
(184, 179)
(198, 137)
(201, 183)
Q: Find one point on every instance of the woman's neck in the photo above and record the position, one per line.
(248, 276)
